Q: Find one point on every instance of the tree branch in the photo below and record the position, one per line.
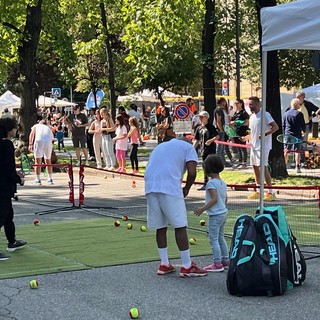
(11, 26)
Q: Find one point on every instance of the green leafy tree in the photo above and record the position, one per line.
(163, 39)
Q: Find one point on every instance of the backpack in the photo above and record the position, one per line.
(257, 258)
(296, 263)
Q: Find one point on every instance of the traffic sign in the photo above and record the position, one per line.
(56, 92)
(182, 111)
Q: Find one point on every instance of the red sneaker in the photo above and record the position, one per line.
(214, 268)
(163, 269)
(225, 264)
(193, 271)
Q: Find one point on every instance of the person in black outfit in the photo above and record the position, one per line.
(240, 120)
(205, 136)
(8, 184)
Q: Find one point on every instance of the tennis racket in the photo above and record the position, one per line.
(25, 163)
(230, 131)
(288, 139)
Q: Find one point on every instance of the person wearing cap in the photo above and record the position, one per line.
(205, 136)
(78, 123)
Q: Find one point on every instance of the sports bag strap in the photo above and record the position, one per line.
(247, 258)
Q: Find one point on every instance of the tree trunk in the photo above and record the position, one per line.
(111, 77)
(276, 158)
(208, 35)
(28, 69)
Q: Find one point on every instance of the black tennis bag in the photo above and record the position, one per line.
(296, 263)
(257, 258)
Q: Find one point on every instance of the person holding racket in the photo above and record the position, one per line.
(254, 137)
(293, 125)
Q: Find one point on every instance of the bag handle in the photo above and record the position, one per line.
(247, 258)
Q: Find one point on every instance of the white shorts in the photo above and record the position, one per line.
(255, 157)
(163, 209)
(42, 149)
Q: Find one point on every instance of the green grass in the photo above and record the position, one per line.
(84, 244)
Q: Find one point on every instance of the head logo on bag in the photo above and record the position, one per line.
(237, 237)
(271, 245)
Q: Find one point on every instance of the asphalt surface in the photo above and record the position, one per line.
(109, 293)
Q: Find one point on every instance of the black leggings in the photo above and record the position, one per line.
(134, 156)
(6, 219)
(242, 152)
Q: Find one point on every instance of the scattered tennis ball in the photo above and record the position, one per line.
(117, 223)
(36, 222)
(129, 226)
(202, 222)
(33, 284)
(134, 313)
(143, 228)
(192, 241)
(124, 217)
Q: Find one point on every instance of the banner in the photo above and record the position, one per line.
(90, 99)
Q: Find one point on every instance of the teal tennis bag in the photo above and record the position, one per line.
(258, 264)
(296, 263)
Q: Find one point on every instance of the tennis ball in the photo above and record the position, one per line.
(129, 226)
(124, 217)
(117, 223)
(202, 222)
(36, 222)
(33, 284)
(192, 241)
(134, 313)
(143, 228)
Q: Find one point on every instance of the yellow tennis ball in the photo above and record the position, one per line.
(129, 226)
(33, 284)
(143, 228)
(134, 313)
(192, 241)
(202, 222)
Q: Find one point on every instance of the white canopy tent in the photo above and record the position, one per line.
(11, 101)
(293, 25)
(8, 100)
(148, 95)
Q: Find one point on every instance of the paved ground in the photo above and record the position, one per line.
(108, 293)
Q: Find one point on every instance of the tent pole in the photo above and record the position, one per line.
(263, 127)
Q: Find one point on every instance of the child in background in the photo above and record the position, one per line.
(134, 135)
(121, 143)
(60, 136)
(215, 205)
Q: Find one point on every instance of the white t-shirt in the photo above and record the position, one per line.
(166, 166)
(121, 144)
(220, 206)
(43, 133)
(255, 127)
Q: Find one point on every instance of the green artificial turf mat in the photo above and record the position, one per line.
(83, 244)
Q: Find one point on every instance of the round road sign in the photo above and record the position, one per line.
(182, 111)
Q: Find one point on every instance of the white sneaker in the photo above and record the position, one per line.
(50, 181)
(99, 167)
(111, 168)
(37, 182)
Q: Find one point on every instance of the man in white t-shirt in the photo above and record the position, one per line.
(40, 143)
(165, 200)
(254, 137)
